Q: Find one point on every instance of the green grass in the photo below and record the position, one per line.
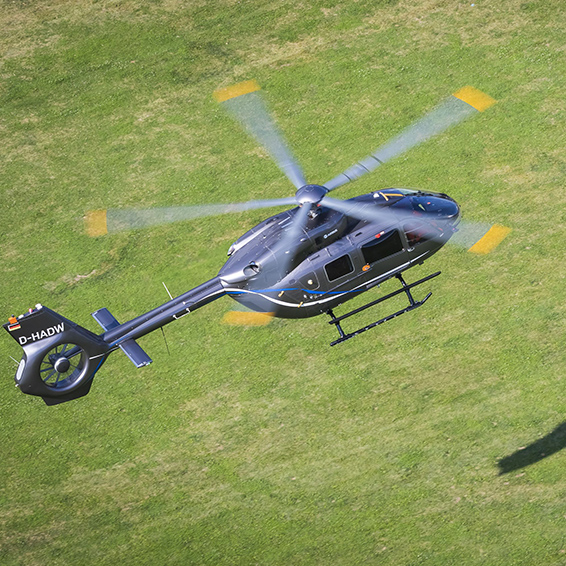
(265, 445)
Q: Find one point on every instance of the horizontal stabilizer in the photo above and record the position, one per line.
(130, 347)
(134, 351)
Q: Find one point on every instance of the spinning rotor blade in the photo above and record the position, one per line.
(100, 222)
(245, 103)
(479, 237)
(384, 217)
(285, 250)
(361, 211)
(476, 237)
(461, 105)
(288, 242)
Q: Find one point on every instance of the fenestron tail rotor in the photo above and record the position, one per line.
(62, 365)
(461, 105)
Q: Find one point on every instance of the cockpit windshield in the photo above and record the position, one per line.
(437, 206)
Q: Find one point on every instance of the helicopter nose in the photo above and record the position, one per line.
(449, 209)
(439, 206)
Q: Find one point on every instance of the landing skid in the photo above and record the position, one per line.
(404, 289)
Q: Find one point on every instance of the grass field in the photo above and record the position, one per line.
(435, 439)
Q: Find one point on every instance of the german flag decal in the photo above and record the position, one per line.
(13, 324)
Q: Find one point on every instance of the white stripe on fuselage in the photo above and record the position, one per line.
(322, 301)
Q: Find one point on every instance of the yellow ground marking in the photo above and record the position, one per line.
(494, 236)
(233, 91)
(96, 223)
(241, 318)
(475, 98)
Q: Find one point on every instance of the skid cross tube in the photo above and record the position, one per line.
(406, 288)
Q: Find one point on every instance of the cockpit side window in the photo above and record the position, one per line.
(382, 246)
(418, 233)
(339, 267)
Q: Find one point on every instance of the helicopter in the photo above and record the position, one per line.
(299, 263)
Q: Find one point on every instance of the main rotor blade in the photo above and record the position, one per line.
(479, 237)
(285, 250)
(100, 222)
(386, 217)
(290, 239)
(461, 105)
(362, 211)
(476, 237)
(245, 103)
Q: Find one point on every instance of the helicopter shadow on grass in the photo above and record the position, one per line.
(542, 448)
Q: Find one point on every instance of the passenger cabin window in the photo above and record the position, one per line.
(339, 267)
(380, 248)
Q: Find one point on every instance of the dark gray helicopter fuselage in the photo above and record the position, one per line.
(338, 257)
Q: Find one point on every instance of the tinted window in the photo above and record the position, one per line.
(382, 247)
(339, 267)
(418, 233)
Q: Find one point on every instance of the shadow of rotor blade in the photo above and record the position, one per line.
(538, 450)
(461, 105)
(244, 102)
(100, 222)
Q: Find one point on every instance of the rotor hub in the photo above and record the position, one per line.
(62, 365)
(310, 194)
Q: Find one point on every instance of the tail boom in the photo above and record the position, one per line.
(60, 358)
